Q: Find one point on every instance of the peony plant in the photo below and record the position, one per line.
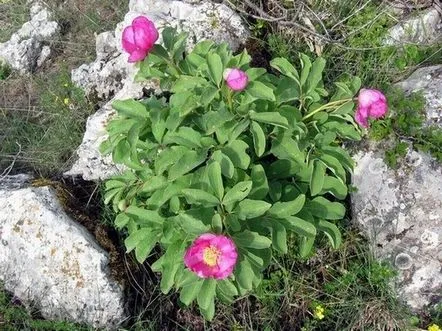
(229, 164)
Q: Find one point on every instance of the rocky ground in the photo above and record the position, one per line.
(49, 261)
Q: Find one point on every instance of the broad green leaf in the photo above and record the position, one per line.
(244, 274)
(216, 181)
(121, 220)
(142, 234)
(299, 226)
(206, 293)
(172, 260)
(317, 177)
(208, 95)
(335, 166)
(200, 197)
(285, 67)
(236, 151)
(217, 223)
(306, 66)
(209, 313)
(248, 208)
(189, 292)
(323, 208)
(334, 186)
(148, 216)
(251, 240)
(227, 167)
(237, 192)
(184, 83)
(186, 163)
(189, 223)
(279, 237)
(185, 136)
(315, 75)
(145, 246)
(332, 232)
(285, 209)
(273, 118)
(259, 138)
(121, 153)
(341, 155)
(227, 287)
(215, 68)
(260, 187)
(306, 246)
(169, 157)
(259, 90)
(254, 73)
(153, 183)
(131, 108)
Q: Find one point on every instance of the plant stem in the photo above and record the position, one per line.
(332, 104)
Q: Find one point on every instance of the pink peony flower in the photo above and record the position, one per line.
(211, 256)
(139, 38)
(371, 104)
(236, 79)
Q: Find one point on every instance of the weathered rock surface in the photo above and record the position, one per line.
(26, 50)
(427, 80)
(401, 212)
(111, 75)
(52, 263)
(422, 29)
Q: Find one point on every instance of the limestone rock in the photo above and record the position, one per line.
(427, 80)
(423, 29)
(401, 212)
(26, 50)
(110, 75)
(50, 262)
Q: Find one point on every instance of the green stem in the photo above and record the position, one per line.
(332, 104)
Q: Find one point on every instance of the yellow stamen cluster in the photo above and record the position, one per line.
(319, 312)
(211, 255)
(434, 327)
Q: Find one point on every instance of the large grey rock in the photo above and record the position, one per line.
(401, 212)
(26, 49)
(427, 80)
(110, 75)
(52, 263)
(422, 29)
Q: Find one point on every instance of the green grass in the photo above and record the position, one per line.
(42, 116)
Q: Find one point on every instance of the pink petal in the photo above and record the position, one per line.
(361, 119)
(368, 96)
(236, 79)
(137, 55)
(128, 41)
(378, 109)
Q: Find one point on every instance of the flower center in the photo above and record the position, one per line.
(210, 256)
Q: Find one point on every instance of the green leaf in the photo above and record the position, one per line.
(227, 287)
(189, 292)
(121, 153)
(279, 237)
(227, 167)
(237, 192)
(186, 163)
(306, 66)
(215, 68)
(131, 108)
(251, 240)
(209, 313)
(273, 118)
(244, 274)
(207, 293)
(236, 151)
(145, 246)
(148, 216)
(200, 197)
(317, 177)
(285, 209)
(254, 73)
(315, 75)
(168, 157)
(335, 166)
(185, 136)
(306, 246)
(172, 260)
(332, 232)
(335, 187)
(248, 208)
(259, 139)
(216, 181)
(299, 226)
(260, 187)
(208, 95)
(153, 183)
(322, 208)
(217, 223)
(259, 90)
(285, 67)
(189, 223)
(121, 220)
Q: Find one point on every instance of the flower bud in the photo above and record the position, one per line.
(139, 38)
(371, 104)
(236, 79)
